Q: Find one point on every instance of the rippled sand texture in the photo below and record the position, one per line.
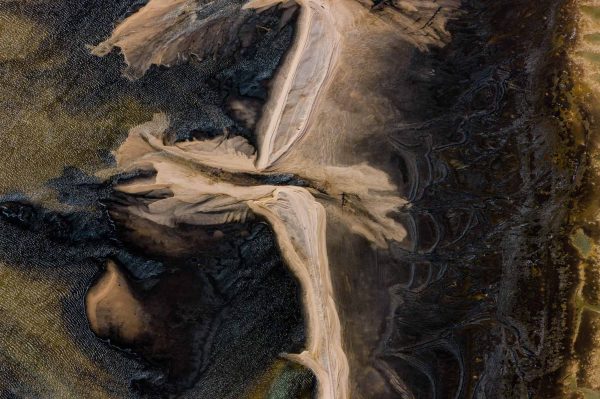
(47, 348)
(30, 89)
(340, 198)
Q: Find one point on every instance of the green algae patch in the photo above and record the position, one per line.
(284, 380)
(590, 393)
(591, 56)
(592, 38)
(583, 243)
(43, 138)
(48, 121)
(591, 11)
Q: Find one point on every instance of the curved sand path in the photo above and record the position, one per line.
(296, 217)
(296, 214)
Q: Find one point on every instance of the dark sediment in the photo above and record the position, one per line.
(480, 303)
(476, 306)
(249, 301)
(213, 313)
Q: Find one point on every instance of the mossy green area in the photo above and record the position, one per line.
(45, 123)
(593, 38)
(584, 210)
(582, 243)
(293, 382)
(37, 350)
(591, 11)
(284, 380)
(590, 394)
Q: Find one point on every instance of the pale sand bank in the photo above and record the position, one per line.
(291, 120)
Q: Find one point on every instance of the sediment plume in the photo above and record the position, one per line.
(334, 198)
(197, 196)
(168, 32)
(205, 182)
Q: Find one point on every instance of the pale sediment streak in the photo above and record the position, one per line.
(300, 80)
(168, 32)
(306, 253)
(298, 219)
(296, 214)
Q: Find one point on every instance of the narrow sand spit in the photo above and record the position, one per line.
(199, 174)
(303, 75)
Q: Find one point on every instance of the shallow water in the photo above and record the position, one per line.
(430, 230)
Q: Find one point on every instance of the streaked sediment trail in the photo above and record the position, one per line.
(204, 179)
(298, 219)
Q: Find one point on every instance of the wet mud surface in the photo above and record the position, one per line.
(183, 330)
(491, 294)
